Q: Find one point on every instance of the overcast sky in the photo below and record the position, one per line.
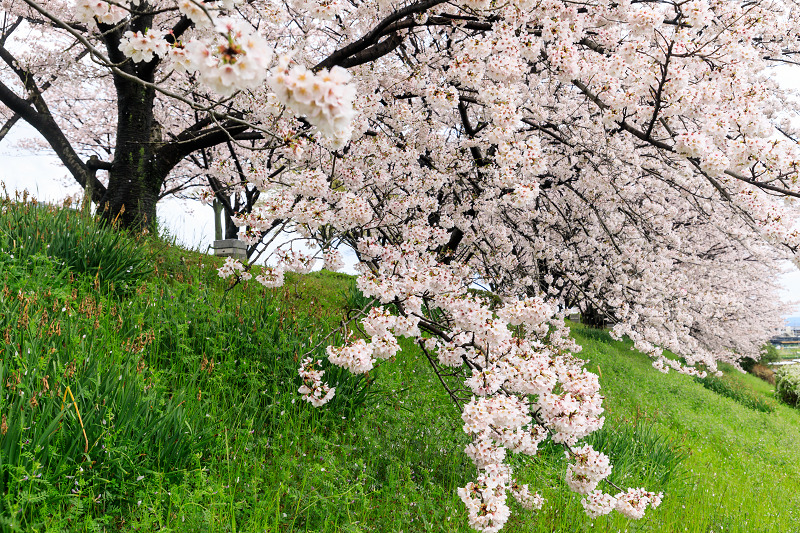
(190, 222)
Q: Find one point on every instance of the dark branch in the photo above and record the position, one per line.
(36, 113)
(191, 140)
(372, 38)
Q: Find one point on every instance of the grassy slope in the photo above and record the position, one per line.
(396, 466)
(272, 464)
(744, 469)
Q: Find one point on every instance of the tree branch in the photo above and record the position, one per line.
(190, 140)
(36, 113)
(371, 39)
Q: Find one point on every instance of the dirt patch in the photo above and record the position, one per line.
(764, 372)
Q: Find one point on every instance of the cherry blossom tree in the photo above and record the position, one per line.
(636, 159)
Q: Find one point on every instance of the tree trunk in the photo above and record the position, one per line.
(135, 177)
(593, 317)
(231, 229)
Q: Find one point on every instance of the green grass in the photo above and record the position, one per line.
(788, 353)
(745, 461)
(203, 429)
(738, 392)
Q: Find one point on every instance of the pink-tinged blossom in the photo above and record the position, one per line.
(232, 266)
(597, 503)
(356, 356)
(92, 11)
(484, 451)
(530, 312)
(633, 502)
(295, 261)
(320, 9)
(384, 346)
(486, 381)
(588, 469)
(249, 236)
(527, 499)
(271, 277)
(313, 390)
(333, 260)
(194, 12)
(143, 47)
(236, 59)
(442, 99)
(324, 98)
(486, 499)
(524, 196)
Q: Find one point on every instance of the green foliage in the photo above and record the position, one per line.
(596, 334)
(248, 345)
(787, 384)
(354, 299)
(737, 392)
(640, 454)
(769, 354)
(163, 379)
(205, 430)
(84, 246)
(78, 425)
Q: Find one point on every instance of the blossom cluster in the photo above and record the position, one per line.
(233, 266)
(333, 260)
(271, 277)
(631, 503)
(144, 46)
(324, 98)
(92, 11)
(237, 58)
(295, 261)
(320, 9)
(313, 389)
(355, 357)
(590, 467)
(485, 499)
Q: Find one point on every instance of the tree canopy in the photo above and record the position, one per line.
(635, 159)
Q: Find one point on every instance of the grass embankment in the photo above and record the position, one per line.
(190, 420)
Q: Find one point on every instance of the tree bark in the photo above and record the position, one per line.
(135, 178)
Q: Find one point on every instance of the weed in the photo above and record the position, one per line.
(109, 257)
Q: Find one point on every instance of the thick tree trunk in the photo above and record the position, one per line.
(135, 177)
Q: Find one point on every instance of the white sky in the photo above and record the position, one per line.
(190, 222)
